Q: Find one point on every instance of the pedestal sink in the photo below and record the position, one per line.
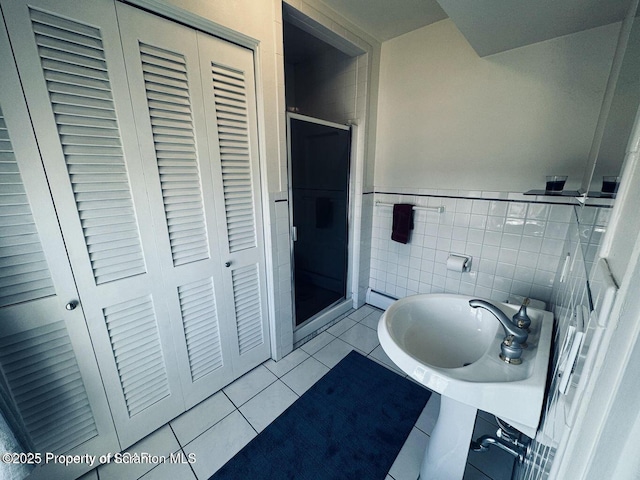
(453, 349)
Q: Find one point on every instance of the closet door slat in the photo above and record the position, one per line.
(178, 142)
(20, 249)
(133, 332)
(74, 91)
(230, 103)
(56, 398)
(200, 318)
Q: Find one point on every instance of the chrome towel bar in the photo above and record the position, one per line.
(439, 209)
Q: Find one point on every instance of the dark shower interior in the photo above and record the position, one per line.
(320, 178)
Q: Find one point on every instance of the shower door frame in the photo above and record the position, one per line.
(333, 311)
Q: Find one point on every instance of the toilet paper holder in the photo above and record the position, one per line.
(459, 263)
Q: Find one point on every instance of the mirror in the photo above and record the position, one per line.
(618, 113)
(617, 117)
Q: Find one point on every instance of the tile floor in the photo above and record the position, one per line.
(220, 426)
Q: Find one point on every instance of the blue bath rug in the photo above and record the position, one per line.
(350, 425)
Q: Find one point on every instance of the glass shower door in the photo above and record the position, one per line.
(319, 176)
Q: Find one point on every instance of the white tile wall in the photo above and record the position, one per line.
(363, 244)
(570, 294)
(282, 277)
(516, 246)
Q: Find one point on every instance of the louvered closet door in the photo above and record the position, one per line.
(227, 72)
(47, 369)
(163, 72)
(70, 60)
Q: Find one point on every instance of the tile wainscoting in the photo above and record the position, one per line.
(582, 298)
(516, 246)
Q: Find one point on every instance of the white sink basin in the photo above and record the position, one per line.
(453, 349)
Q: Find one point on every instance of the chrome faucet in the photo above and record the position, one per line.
(515, 337)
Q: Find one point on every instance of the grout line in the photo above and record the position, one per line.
(205, 431)
(183, 451)
(258, 392)
(247, 420)
(284, 383)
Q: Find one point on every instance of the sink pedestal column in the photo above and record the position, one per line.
(446, 455)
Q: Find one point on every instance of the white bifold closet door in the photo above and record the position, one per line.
(71, 65)
(50, 385)
(151, 157)
(194, 105)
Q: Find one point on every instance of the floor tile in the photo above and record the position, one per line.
(361, 312)
(249, 385)
(287, 363)
(380, 355)
(201, 417)
(219, 444)
(316, 343)
(372, 319)
(162, 442)
(170, 471)
(363, 338)
(265, 407)
(304, 375)
(408, 461)
(331, 354)
(341, 327)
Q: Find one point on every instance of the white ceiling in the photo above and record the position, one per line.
(490, 26)
(386, 19)
(493, 26)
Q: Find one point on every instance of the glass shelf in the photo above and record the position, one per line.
(600, 195)
(564, 193)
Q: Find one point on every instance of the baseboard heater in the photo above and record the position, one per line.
(379, 300)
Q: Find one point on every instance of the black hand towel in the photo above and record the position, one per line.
(402, 222)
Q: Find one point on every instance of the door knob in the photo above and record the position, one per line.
(227, 264)
(71, 305)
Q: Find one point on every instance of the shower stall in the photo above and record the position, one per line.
(319, 163)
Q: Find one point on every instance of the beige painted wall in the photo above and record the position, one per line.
(448, 119)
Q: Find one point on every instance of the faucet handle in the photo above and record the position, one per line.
(521, 319)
